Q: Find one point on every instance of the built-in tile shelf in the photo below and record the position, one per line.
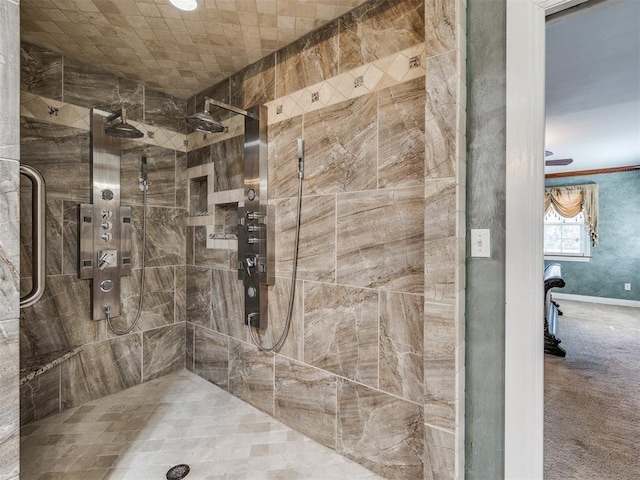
(40, 365)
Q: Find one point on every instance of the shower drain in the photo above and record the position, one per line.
(178, 472)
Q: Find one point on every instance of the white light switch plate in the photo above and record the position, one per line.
(480, 242)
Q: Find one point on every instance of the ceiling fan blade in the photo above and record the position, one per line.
(558, 162)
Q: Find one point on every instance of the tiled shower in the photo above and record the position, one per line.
(372, 365)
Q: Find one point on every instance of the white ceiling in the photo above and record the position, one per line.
(593, 86)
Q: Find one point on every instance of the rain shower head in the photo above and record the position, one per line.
(121, 129)
(205, 123)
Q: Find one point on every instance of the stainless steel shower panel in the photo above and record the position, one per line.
(255, 218)
(104, 227)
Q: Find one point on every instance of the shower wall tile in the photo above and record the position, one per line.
(219, 91)
(341, 331)
(180, 294)
(401, 361)
(305, 399)
(166, 236)
(227, 157)
(377, 29)
(251, 375)
(102, 369)
(164, 110)
(211, 356)
(163, 351)
(61, 155)
(256, 84)
(10, 254)
(70, 237)
(53, 233)
(158, 302)
(279, 294)
(401, 147)
(182, 200)
(317, 237)
(340, 145)
(161, 170)
(199, 156)
(440, 453)
(227, 303)
(208, 257)
(380, 240)
(91, 87)
(190, 346)
(283, 152)
(440, 116)
(10, 394)
(381, 432)
(40, 71)
(440, 209)
(199, 296)
(440, 269)
(440, 30)
(309, 60)
(10, 80)
(40, 397)
(439, 364)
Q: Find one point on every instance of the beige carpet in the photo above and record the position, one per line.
(592, 397)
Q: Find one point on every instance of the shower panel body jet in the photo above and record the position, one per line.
(105, 228)
(256, 259)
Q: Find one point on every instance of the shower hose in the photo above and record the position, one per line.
(145, 185)
(294, 273)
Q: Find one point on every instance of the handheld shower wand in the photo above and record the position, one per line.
(144, 179)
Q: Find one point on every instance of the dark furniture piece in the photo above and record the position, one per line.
(552, 279)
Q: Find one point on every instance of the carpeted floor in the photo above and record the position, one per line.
(592, 396)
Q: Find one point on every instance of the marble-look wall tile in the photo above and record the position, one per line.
(161, 170)
(163, 351)
(317, 237)
(164, 110)
(440, 365)
(10, 80)
(256, 84)
(401, 345)
(278, 305)
(379, 28)
(40, 397)
(157, 303)
(440, 116)
(70, 237)
(227, 303)
(166, 237)
(340, 145)
(219, 91)
(199, 296)
(53, 233)
(199, 156)
(401, 135)
(180, 294)
(380, 431)
(189, 346)
(10, 240)
(380, 240)
(208, 257)
(211, 356)
(341, 331)
(88, 86)
(440, 448)
(101, 369)
(305, 399)
(283, 150)
(440, 269)
(9, 393)
(307, 61)
(251, 375)
(227, 157)
(182, 200)
(440, 31)
(60, 154)
(40, 71)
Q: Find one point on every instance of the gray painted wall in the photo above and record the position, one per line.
(616, 259)
(486, 180)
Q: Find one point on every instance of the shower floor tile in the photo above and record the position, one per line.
(141, 432)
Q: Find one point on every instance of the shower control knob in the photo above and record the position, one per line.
(106, 236)
(107, 214)
(106, 225)
(251, 291)
(251, 195)
(253, 228)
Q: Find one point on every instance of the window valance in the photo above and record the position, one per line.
(570, 200)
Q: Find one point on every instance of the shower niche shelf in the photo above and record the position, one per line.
(215, 210)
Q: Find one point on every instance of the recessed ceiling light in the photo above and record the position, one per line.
(188, 5)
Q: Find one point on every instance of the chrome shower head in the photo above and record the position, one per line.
(205, 123)
(121, 129)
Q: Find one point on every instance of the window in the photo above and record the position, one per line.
(567, 237)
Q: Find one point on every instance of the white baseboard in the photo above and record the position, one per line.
(602, 300)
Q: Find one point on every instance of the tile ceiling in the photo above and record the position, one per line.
(178, 52)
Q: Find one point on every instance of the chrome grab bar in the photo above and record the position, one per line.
(38, 237)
